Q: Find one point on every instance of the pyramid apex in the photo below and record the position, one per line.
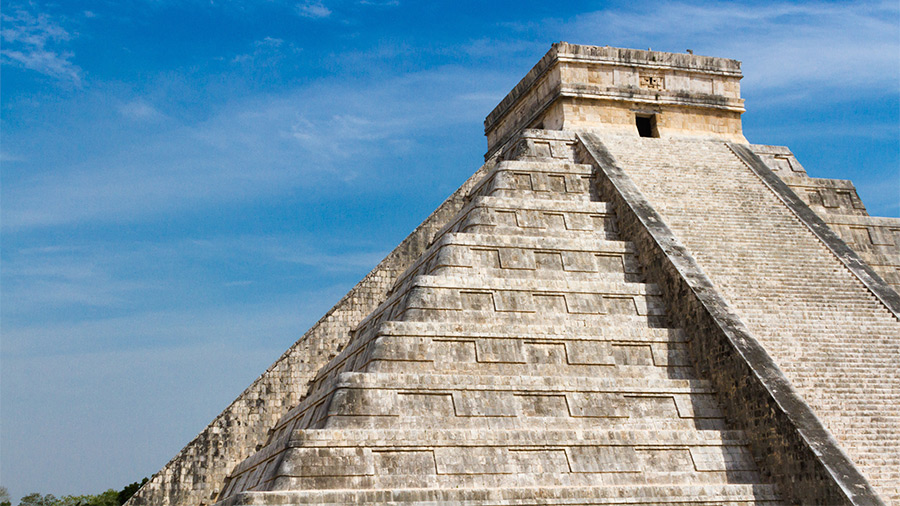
(578, 87)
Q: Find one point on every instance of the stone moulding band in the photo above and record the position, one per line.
(711, 70)
(789, 441)
(872, 281)
(645, 99)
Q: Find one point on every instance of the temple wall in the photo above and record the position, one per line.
(603, 87)
(672, 120)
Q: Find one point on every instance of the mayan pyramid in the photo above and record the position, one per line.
(627, 304)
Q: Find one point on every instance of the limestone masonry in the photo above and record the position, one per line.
(627, 304)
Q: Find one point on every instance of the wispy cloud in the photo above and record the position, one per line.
(319, 136)
(169, 328)
(124, 294)
(102, 274)
(267, 56)
(305, 252)
(380, 3)
(262, 46)
(7, 157)
(782, 45)
(139, 110)
(40, 280)
(313, 10)
(33, 42)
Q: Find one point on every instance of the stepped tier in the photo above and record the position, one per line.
(636, 495)
(522, 352)
(448, 458)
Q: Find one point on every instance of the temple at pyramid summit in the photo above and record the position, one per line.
(627, 304)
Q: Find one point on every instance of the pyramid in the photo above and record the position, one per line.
(627, 304)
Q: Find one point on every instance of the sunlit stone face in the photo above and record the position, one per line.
(609, 89)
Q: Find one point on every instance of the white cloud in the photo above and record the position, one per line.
(168, 328)
(7, 157)
(269, 42)
(313, 10)
(29, 42)
(267, 52)
(380, 3)
(782, 45)
(84, 279)
(139, 110)
(316, 137)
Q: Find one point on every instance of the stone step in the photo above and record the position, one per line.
(523, 216)
(636, 495)
(476, 352)
(370, 458)
(620, 313)
(544, 332)
(549, 269)
(532, 255)
(451, 296)
(586, 243)
(425, 382)
(543, 329)
(795, 296)
(562, 285)
(462, 400)
(542, 346)
(448, 366)
(550, 337)
(523, 204)
(516, 193)
(537, 180)
(604, 228)
(542, 146)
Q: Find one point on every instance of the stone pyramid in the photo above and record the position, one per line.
(627, 304)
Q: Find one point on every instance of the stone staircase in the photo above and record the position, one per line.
(523, 359)
(837, 344)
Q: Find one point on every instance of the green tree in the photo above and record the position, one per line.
(37, 499)
(108, 498)
(4, 497)
(129, 490)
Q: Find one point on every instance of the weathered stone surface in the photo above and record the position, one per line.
(794, 447)
(585, 87)
(595, 317)
(821, 323)
(875, 239)
(195, 475)
(519, 351)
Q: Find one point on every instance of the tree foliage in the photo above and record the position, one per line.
(111, 497)
(129, 490)
(108, 498)
(37, 499)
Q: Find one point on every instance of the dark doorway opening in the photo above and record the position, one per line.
(646, 126)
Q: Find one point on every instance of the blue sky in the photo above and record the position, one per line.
(187, 185)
